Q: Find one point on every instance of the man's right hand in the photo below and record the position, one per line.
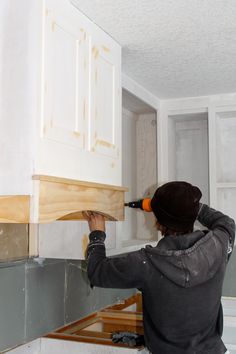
(96, 221)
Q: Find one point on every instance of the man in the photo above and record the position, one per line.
(180, 279)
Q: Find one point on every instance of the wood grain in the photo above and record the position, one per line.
(61, 200)
(98, 327)
(14, 209)
(78, 183)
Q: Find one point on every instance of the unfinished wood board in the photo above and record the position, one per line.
(146, 170)
(139, 173)
(14, 241)
(98, 327)
(61, 199)
(128, 229)
(14, 208)
(126, 303)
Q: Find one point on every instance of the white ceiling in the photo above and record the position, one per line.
(174, 48)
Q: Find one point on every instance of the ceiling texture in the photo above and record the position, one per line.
(173, 48)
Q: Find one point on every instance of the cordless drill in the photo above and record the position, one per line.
(143, 204)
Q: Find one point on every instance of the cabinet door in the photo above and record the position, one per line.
(105, 96)
(81, 122)
(66, 52)
(225, 120)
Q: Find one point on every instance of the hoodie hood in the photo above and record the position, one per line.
(188, 260)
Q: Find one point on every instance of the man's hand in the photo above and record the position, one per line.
(96, 221)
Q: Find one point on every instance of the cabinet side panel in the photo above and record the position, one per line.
(69, 239)
(226, 146)
(146, 171)
(128, 228)
(19, 95)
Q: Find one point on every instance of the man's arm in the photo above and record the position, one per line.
(121, 272)
(216, 221)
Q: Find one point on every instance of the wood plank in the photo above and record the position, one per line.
(87, 333)
(63, 201)
(118, 321)
(122, 327)
(124, 315)
(135, 299)
(14, 209)
(74, 326)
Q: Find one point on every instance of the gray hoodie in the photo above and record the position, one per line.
(181, 283)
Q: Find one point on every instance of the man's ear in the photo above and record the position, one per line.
(160, 228)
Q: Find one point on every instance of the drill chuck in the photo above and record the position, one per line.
(143, 204)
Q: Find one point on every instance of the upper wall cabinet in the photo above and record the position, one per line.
(60, 110)
(81, 98)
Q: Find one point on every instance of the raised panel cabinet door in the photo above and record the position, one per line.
(66, 74)
(225, 125)
(105, 115)
(226, 146)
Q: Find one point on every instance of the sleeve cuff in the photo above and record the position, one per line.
(97, 236)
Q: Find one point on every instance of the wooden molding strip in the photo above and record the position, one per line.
(98, 327)
(14, 209)
(61, 199)
(78, 183)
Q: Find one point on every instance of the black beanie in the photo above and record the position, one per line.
(176, 205)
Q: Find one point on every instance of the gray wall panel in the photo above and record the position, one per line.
(45, 286)
(12, 305)
(81, 299)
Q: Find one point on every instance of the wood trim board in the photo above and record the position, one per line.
(98, 327)
(62, 199)
(14, 209)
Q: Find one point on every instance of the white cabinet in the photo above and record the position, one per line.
(60, 107)
(225, 127)
(188, 150)
(60, 124)
(81, 123)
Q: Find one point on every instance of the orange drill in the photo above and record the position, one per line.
(143, 204)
